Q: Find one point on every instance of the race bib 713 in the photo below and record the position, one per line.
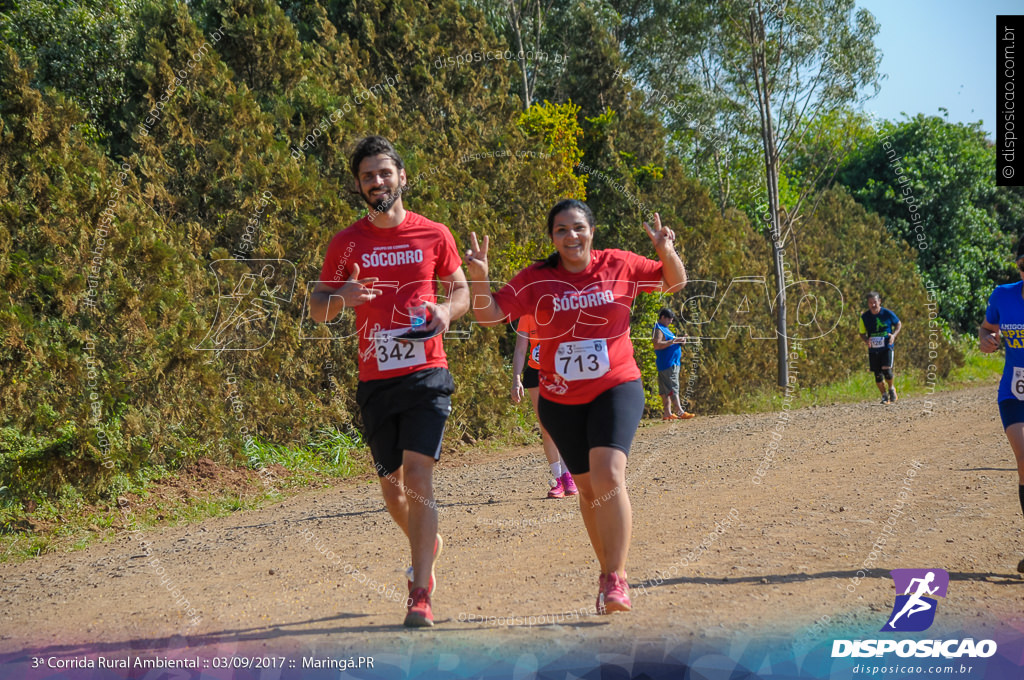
(582, 359)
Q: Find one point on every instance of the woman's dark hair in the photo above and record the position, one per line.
(560, 207)
(374, 145)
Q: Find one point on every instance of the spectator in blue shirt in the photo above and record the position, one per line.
(667, 354)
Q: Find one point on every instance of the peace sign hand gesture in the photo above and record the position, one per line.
(476, 258)
(661, 237)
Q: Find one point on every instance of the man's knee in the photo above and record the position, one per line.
(887, 372)
(419, 470)
(879, 376)
(391, 488)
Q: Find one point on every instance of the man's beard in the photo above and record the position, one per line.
(382, 203)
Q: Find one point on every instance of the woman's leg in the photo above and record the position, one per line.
(612, 513)
(588, 511)
(550, 450)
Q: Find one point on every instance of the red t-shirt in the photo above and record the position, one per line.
(582, 321)
(528, 327)
(407, 259)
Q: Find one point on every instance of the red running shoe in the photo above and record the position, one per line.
(409, 575)
(419, 615)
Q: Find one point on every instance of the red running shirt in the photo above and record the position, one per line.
(582, 321)
(408, 259)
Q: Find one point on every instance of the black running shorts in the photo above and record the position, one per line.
(405, 413)
(531, 377)
(609, 420)
(880, 358)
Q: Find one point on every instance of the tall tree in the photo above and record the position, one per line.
(764, 69)
(533, 31)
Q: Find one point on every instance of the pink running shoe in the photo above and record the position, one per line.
(599, 607)
(556, 490)
(568, 484)
(614, 595)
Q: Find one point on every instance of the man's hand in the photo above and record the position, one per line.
(988, 341)
(356, 291)
(326, 301)
(440, 317)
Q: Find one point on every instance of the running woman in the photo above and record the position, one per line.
(878, 329)
(528, 351)
(667, 357)
(1004, 318)
(385, 266)
(591, 396)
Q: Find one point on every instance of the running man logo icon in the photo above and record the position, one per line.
(914, 610)
(246, 317)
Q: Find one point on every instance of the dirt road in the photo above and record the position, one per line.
(733, 539)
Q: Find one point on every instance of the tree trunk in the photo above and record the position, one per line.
(515, 20)
(782, 337)
(771, 171)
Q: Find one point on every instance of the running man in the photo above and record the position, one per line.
(1004, 318)
(591, 396)
(386, 265)
(667, 357)
(878, 329)
(528, 351)
(914, 603)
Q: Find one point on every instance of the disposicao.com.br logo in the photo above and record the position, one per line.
(914, 611)
(914, 606)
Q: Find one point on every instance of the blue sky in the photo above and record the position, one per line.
(938, 53)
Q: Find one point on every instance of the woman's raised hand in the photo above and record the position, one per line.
(476, 258)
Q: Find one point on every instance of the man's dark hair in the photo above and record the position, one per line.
(666, 312)
(374, 145)
(560, 207)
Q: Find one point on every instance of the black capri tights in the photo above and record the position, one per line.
(610, 420)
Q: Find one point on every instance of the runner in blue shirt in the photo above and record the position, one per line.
(878, 329)
(1004, 318)
(667, 355)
